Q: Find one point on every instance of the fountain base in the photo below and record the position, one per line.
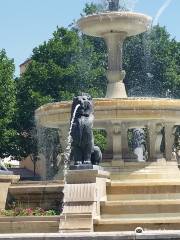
(157, 234)
(85, 166)
(83, 191)
(122, 198)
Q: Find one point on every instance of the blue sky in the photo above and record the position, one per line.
(26, 24)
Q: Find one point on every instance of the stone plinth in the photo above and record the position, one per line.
(5, 182)
(83, 192)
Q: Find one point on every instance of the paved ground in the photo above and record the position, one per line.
(162, 235)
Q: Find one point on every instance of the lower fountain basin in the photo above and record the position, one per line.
(57, 115)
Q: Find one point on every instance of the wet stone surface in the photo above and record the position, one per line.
(85, 166)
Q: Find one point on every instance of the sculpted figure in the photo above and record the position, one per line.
(139, 144)
(96, 156)
(83, 150)
(82, 135)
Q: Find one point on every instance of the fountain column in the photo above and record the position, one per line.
(124, 136)
(169, 140)
(154, 141)
(109, 132)
(159, 137)
(115, 73)
(117, 146)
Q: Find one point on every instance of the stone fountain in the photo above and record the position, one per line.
(117, 113)
(125, 193)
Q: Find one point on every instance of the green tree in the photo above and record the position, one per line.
(7, 104)
(91, 8)
(60, 68)
(151, 64)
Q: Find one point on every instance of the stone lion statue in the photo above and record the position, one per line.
(139, 144)
(83, 150)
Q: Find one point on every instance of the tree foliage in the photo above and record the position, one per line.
(150, 61)
(7, 104)
(67, 64)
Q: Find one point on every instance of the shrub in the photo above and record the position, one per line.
(28, 212)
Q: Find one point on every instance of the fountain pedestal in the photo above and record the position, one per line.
(115, 86)
(83, 191)
(115, 73)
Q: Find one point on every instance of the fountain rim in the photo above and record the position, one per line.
(120, 103)
(115, 13)
(57, 115)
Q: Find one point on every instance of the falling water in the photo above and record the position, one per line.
(160, 11)
(69, 140)
(128, 4)
(67, 154)
(47, 140)
(124, 5)
(147, 62)
(147, 48)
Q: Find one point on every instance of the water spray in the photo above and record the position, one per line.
(160, 11)
(69, 140)
(68, 151)
(113, 5)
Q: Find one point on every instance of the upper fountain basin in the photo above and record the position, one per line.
(98, 25)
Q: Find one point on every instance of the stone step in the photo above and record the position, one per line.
(142, 187)
(143, 171)
(142, 190)
(131, 222)
(143, 175)
(119, 197)
(132, 166)
(139, 207)
(118, 163)
(155, 182)
(143, 168)
(151, 216)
